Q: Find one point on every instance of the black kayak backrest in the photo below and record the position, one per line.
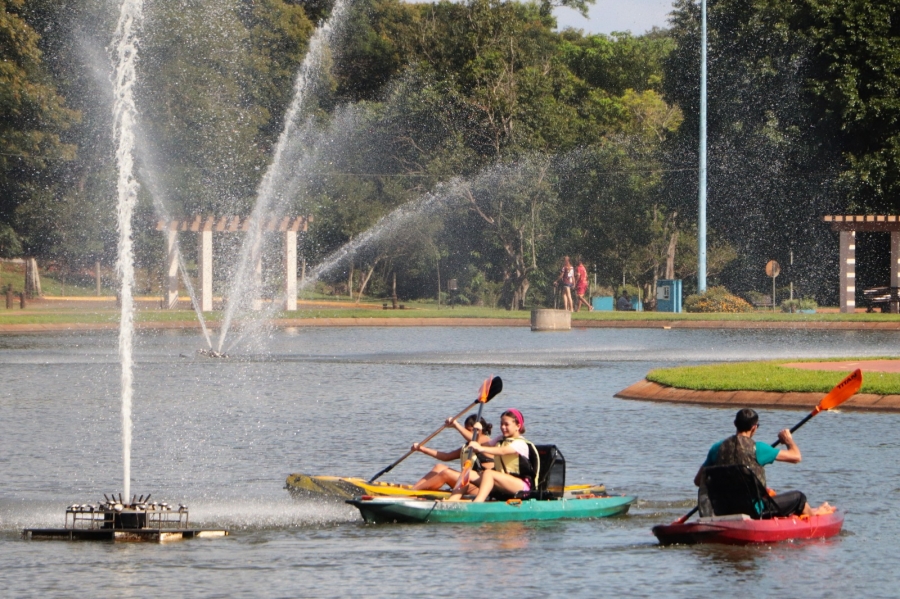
(736, 490)
(551, 477)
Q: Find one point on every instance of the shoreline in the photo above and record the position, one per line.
(645, 390)
(414, 321)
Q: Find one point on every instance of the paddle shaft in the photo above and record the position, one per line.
(423, 442)
(464, 475)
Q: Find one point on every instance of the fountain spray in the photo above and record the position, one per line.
(124, 49)
(281, 168)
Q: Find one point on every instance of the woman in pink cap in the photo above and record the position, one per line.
(513, 471)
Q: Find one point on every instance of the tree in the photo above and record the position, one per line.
(773, 162)
(855, 49)
(33, 118)
(518, 206)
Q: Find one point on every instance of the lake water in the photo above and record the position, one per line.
(222, 435)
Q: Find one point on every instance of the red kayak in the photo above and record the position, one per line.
(740, 529)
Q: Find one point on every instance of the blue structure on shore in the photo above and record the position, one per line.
(668, 295)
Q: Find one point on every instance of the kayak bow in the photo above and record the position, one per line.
(304, 486)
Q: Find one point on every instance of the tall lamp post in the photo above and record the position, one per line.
(701, 219)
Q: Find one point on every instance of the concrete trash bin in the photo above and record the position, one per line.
(551, 320)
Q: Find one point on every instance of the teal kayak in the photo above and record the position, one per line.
(379, 510)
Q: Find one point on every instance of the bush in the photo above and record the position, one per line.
(807, 303)
(790, 305)
(759, 299)
(600, 291)
(716, 299)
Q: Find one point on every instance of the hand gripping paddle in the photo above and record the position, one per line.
(493, 385)
(463, 479)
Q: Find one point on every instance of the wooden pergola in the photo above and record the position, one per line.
(205, 226)
(847, 226)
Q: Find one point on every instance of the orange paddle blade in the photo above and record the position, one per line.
(485, 389)
(842, 392)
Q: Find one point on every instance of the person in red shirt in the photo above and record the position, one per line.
(581, 286)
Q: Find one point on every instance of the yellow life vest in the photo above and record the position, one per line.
(480, 459)
(516, 464)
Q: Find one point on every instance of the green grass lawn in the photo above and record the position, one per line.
(769, 376)
(50, 285)
(37, 313)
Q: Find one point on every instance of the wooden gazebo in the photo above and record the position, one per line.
(847, 226)
(204, 226)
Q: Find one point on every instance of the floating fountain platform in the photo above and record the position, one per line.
(116, 520)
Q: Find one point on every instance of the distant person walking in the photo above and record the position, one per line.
(567, 279)
(581, 285)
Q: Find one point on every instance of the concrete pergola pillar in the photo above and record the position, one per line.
(895, 264)
(204, 265)
(290, 270)
(257, 272)
(848, 271)
(172, 268)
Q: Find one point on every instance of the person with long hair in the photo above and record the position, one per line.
(513, 471)
(567, 279)
(440, 474)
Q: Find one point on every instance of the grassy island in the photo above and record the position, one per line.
(770, 376)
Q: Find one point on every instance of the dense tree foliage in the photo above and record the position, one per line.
(33, 120)
(508, 143)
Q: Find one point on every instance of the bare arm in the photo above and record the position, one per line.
(699, 477)
(444, 456)
(491, 450)
(467, 435)
(792, 453)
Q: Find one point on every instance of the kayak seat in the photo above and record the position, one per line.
(551, 473)
(550, 465)
(736, 490)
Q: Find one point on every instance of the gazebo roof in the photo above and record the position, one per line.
(230, 224)
(867, 222)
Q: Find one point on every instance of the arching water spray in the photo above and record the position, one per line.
(159, 206)
(389, 224)
(124, 49)
(280, 169)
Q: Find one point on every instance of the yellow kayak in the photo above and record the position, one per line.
(339, 487)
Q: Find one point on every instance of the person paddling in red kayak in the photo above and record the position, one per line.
(742, 450)
(442, 475)
(513, 471)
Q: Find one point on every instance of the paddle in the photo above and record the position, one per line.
(463, 479)
(841, 393)
(489, 389)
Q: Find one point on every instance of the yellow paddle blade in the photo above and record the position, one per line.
(842, 392)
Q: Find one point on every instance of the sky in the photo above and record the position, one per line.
(606, 16)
